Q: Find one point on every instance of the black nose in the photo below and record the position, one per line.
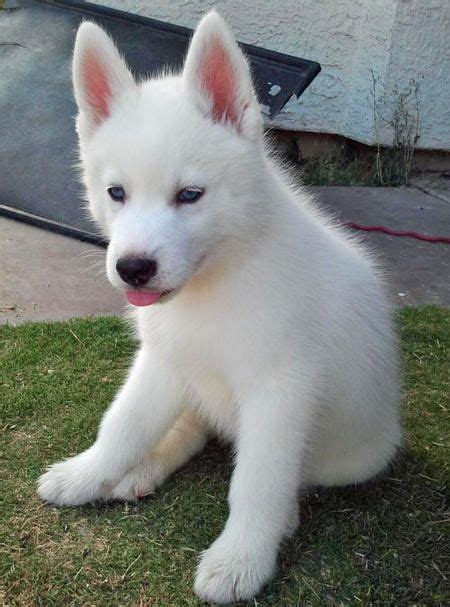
(136, 271)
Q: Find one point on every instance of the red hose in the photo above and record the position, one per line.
(359, 226)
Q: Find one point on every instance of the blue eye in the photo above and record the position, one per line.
(189, 195)
(117, 193)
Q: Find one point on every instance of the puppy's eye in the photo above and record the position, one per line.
(117, 193)
(189, 195)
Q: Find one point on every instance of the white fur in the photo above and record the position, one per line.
(278, 337)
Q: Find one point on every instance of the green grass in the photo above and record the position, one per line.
(347, 167)
(338, 169)
(380, 544)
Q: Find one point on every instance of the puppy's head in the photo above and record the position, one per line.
(170, 164)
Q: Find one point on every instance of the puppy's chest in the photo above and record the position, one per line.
(204, 362)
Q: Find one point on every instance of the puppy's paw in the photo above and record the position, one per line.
(140, 481)
(72, 482)
(231, 570)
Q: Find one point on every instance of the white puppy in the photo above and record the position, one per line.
(269, 326)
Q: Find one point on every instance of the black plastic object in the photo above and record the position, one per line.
(38, 145)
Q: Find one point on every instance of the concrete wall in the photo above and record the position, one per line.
(399, 40)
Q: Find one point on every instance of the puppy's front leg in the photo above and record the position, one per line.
(139, 417)
(263, 495)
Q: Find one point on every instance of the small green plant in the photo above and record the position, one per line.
(400, 113)
(356, 165)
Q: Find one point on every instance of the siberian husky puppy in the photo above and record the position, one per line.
(259, 320)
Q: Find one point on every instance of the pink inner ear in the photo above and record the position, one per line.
(97, 86)
(218, 78)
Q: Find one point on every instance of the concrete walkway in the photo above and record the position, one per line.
(418, 271)
(45, 276)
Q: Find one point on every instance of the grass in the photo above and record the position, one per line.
(338, 168)
(381, 544)
(353, 167)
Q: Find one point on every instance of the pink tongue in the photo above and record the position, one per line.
(142, 298)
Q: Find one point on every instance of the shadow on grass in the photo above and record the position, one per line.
(377, 543)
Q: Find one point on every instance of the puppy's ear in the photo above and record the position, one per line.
(217, 75)
(100, 76)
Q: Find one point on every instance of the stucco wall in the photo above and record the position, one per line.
(398, 39)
